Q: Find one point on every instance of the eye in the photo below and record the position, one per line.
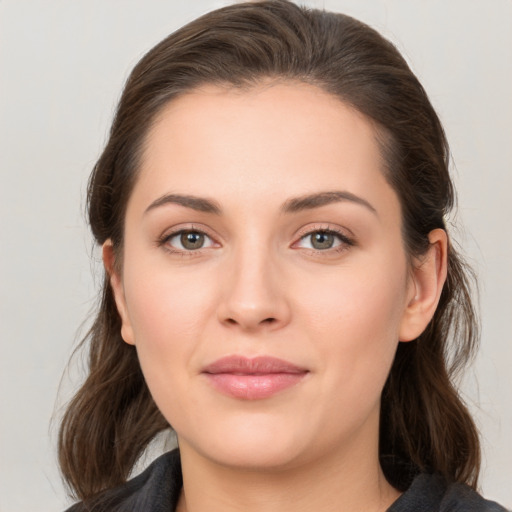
(324, 239)
(187, 240)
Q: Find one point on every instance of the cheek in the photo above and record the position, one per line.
(354, 320)
(166, 316)
(168, 309)
(360, 297)
(164, 295)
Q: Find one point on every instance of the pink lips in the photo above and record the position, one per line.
(252, 378)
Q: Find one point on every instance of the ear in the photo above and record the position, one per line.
(109, 260)
(426, 284)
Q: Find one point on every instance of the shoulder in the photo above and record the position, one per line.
(156, 489)
(431, 493)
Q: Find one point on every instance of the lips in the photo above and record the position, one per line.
(252, 378)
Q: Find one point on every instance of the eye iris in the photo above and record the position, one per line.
(192, 240)
(322, 240)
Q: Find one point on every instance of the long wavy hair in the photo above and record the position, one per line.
(425, 425)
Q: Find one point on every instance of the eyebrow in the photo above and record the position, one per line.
(293, 205)
(201, 204)
(311, 201)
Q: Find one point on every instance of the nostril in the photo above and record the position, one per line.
(269, 320)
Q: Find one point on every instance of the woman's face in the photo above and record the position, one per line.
(264, 282)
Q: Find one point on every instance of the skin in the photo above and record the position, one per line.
(258, 286)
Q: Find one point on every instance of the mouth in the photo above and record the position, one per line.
(252, 378)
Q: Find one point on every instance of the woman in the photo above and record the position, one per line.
(280, 287)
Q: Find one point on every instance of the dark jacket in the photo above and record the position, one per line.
(157, 489)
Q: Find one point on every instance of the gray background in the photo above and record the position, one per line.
(62, 66)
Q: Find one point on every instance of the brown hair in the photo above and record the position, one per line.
(424, 423)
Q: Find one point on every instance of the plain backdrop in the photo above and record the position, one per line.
(62, 67)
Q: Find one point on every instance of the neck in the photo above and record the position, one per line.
(335, 482)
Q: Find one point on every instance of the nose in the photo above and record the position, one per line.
(254, 294)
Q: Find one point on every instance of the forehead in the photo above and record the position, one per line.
(265, 142)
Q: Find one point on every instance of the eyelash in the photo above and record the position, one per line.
(345, 241)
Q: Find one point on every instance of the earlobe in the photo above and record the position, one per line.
(427, 280)
(109, 260)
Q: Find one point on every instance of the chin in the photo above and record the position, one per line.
(253, 456)
(248, 443)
